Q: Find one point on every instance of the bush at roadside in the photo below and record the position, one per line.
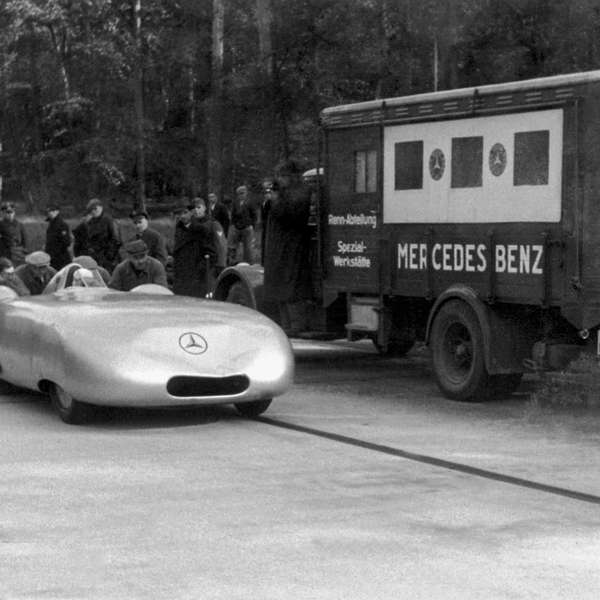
(578, 386)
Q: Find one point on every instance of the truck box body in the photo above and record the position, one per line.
(496, 188)
(467, 218)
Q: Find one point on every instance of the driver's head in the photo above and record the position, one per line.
(83, 278)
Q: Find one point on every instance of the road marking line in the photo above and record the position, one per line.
(436, 462)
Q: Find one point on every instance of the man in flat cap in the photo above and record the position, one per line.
(58, 238)
(12, 234)
(97, 235)
(157, 245)
(36, 272)
(138, 268)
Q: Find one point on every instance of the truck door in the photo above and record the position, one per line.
(352, 220)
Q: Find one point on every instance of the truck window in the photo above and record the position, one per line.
(531, 157)
(408, 158)
(365, 171)
(467, 161)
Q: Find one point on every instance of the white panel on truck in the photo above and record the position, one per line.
(492, 169)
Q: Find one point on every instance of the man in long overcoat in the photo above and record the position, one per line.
(287, 272)
(58, 238)
(195, 238)
(13, 242)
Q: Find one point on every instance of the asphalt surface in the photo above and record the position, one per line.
(359, 483)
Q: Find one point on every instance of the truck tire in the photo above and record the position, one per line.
(458, 354)
(239, 294)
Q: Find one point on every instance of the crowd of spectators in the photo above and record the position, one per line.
(208, 236)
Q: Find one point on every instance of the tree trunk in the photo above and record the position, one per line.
(60, 51)
(264, 20)
(215, 116)
(139, 108)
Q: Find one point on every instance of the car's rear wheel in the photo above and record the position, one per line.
(253, 409)
(71, 411)
(238, 294)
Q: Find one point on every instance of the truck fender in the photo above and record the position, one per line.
(505, 341)
(250, 276)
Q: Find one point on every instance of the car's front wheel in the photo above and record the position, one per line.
(71, 411)
(253, 409)
(239, 294)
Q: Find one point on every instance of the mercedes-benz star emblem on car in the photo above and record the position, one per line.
(192, 343)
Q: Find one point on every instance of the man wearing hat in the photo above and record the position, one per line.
(36, 272)
(157, 245)
(97, 235)
(138, 268)
(12, 234)
(196, 238)
(58, 238)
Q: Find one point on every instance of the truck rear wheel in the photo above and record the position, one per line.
(458, 354)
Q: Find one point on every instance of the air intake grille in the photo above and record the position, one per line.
(186, 386)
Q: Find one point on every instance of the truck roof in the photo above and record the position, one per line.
(447, 95)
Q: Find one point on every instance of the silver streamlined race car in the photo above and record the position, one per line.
(86, 344)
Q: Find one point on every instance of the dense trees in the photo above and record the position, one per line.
(123, 98)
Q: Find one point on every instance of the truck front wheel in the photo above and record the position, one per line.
(458, 353)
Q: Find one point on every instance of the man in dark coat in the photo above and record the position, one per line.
(138, 268)
(219, 212)
(99, 233)
(287, 273)
(157, 245)
(195, 238)
(265, 206)
(58, 238)
(36, 272)
(13, 242)
(241, 230)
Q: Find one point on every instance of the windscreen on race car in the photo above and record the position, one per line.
(74, 275)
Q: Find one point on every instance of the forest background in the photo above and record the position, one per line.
(139, 102)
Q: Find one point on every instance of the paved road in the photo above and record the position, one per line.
(203, 504)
